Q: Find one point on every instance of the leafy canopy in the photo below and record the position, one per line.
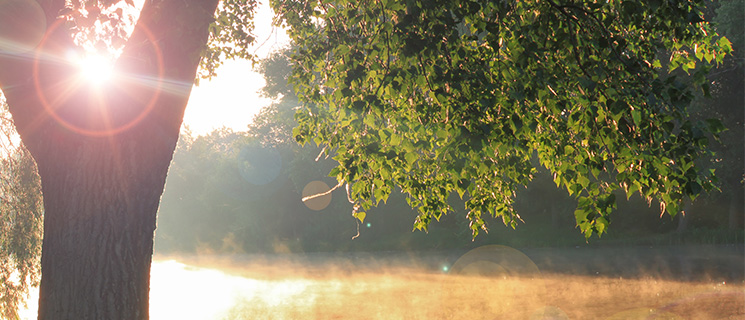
(468, 97)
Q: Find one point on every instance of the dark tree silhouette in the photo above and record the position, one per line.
(102, 151)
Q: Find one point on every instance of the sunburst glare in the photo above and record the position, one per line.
(94, 69)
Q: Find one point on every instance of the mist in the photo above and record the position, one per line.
(488, 282)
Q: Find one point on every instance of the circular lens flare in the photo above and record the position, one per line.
(53, 102)
(318, 189)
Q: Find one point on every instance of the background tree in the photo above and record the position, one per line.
(103, 151)
(729, 82)
(442, 98)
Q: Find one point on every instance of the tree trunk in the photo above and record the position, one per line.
(100, 199)
(103, 156)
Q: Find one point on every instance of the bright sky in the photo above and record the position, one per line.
(231, 99)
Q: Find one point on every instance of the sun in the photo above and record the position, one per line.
(94, 69)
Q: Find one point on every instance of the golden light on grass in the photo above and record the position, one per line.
(180, 291)
(645, 313)
(409, 294)
(382, 289)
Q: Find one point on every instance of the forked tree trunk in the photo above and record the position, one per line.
(102, 177)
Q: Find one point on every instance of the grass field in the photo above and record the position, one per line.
(427, 296)
(495, 283)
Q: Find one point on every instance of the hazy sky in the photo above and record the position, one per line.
(231, 99)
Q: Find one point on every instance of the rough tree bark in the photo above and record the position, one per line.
(103, 154)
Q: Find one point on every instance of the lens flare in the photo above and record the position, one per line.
(497, 265)
(22, 25)
(95, 69)
(145, 88)
(318, 190)
(496, 261)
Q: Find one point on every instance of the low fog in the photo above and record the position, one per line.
(489, 282)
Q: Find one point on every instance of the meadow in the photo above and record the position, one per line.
(492, 282)
(427, 296)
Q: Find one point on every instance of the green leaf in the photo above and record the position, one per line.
(360, 215)
(583, 181)
(395, 140)
(689, 65)
(335, 173)
(601, 225)
(637, 117)
(715, 126)
(411, 157)
(568, 150)
(725, 44)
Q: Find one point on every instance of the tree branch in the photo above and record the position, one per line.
(166, 46)
(25, 69)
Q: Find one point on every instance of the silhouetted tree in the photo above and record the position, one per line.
(103, 151)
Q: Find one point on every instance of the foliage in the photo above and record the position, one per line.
(241, 191)
(727, 103)
(231, 35)
(212, 202)
(100, 25)
(274, 123)
(729, 17)
(21, 212)
(277, 69)
(460, 97)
